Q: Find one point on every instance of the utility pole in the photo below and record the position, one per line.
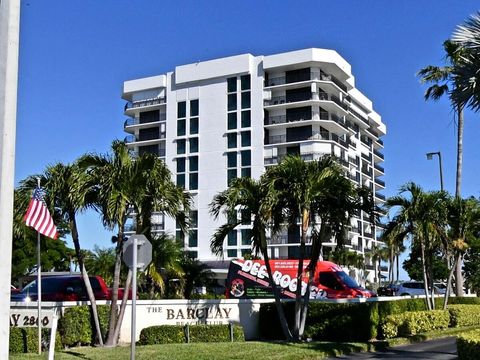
(9, 39)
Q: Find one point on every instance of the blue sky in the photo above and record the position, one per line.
(75, 55)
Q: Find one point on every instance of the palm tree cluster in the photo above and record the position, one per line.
(117, 186)
(315, 196)
(435, 223)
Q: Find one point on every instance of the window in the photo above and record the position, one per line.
(194, 126)
(180, 236)
(181, 109)
(181, 180)
(246, 158)
(181, 127)
(231, 174)
(193, 238)
(180, 165)
(245, 138)
(193, 145)
(246, 252)
(232, 159)
(246, 236)
(193, 218)
(329, 280)
(232, 140)
(246, 172)
(245, 82)
(193, 181)
(232, 121)
(232, 102)
(194, 107)
(193, 163)
(232, 238)
(232, 253)
(232, 84)
(246, 122)
(245, 100)
(181, 144)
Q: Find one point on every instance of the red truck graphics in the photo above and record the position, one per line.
(249, 279)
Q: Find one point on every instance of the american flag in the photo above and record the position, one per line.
(39, 217)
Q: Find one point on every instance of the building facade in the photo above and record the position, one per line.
(215, 120)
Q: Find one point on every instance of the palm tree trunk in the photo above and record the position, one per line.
(306, 299)
(114, 296)
(449, 282)
(281, 313)
(425, 279)
(398, 266)
(123, 306)
(459, 276)
(458, 188)
(86, 279)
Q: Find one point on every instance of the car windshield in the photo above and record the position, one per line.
(49, 285)
(347, 280)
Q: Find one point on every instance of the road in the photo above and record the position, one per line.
(438, 349)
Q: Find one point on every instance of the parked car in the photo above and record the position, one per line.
(415, 288)
(389, 290)
(65, 288)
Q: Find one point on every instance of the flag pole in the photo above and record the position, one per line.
(39, 288)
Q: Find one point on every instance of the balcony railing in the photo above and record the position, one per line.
(135, 121)
(330, 97)
(281, 80)
(159, 152)
(380, 182)
(361, 117)
(146, 102)
(325, 115)
(380, 196)
(281, 119)
(379, 168)
(132, 138)
(378, 153)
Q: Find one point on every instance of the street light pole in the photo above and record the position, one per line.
(430, 157)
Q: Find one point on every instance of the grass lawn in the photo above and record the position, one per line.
(252, 350)
(208, 351)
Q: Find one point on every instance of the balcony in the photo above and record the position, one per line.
(133, 139)
(380, 196)
(366, 140)
(281, 119)
(378, 153)
(159, 152)
(379, 168)
(330, 97)
(281, 80)
(316, 135)
(134, 121)
(380, 182)
(359, 116)
(144, 103)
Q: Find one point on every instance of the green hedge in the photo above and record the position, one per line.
(464, 315)
(162, 334)
(345, 322)
(468, 345)
(77, 327)
(165, 334)
(25, 340)
(414, 322)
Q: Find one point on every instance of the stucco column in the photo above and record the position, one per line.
(9, 37)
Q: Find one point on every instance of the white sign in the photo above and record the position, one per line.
(144, 252)
(29, 318)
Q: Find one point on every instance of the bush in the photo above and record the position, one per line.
(464, 315)
(412, 323)
(468, 345)
(215, 333)
(25, 340)
(166, 334)
(162, 334)
(77, 327)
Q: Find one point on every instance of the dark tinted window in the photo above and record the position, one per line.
(347, 280)
(232, 121)
(245, 82)
(181, 109)
(232, 102)
(180, 165)
(246, 118)
(193, 163)
(246, 100)
(329, 280)
(194, 108)
(232, 84)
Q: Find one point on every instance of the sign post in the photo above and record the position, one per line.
(137, 254)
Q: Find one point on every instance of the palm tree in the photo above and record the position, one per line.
(126, 186)
(393, 237)
(466, 75)
(422, 216)
(70, 191)
(101, 261)
(246, 194)
(196, 273)
(324, 199)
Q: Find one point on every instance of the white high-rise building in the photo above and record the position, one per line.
(215, 120)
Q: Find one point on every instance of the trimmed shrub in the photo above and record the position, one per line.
(468, 345)
(215, 333)
(162, 334)
(167, 334)
(412, 323)
(25, 340)
(464, 315)
(77, 327)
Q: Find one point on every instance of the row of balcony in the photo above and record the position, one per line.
(132, 138)
(316, 135)
(282, 80)
(323, 115)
